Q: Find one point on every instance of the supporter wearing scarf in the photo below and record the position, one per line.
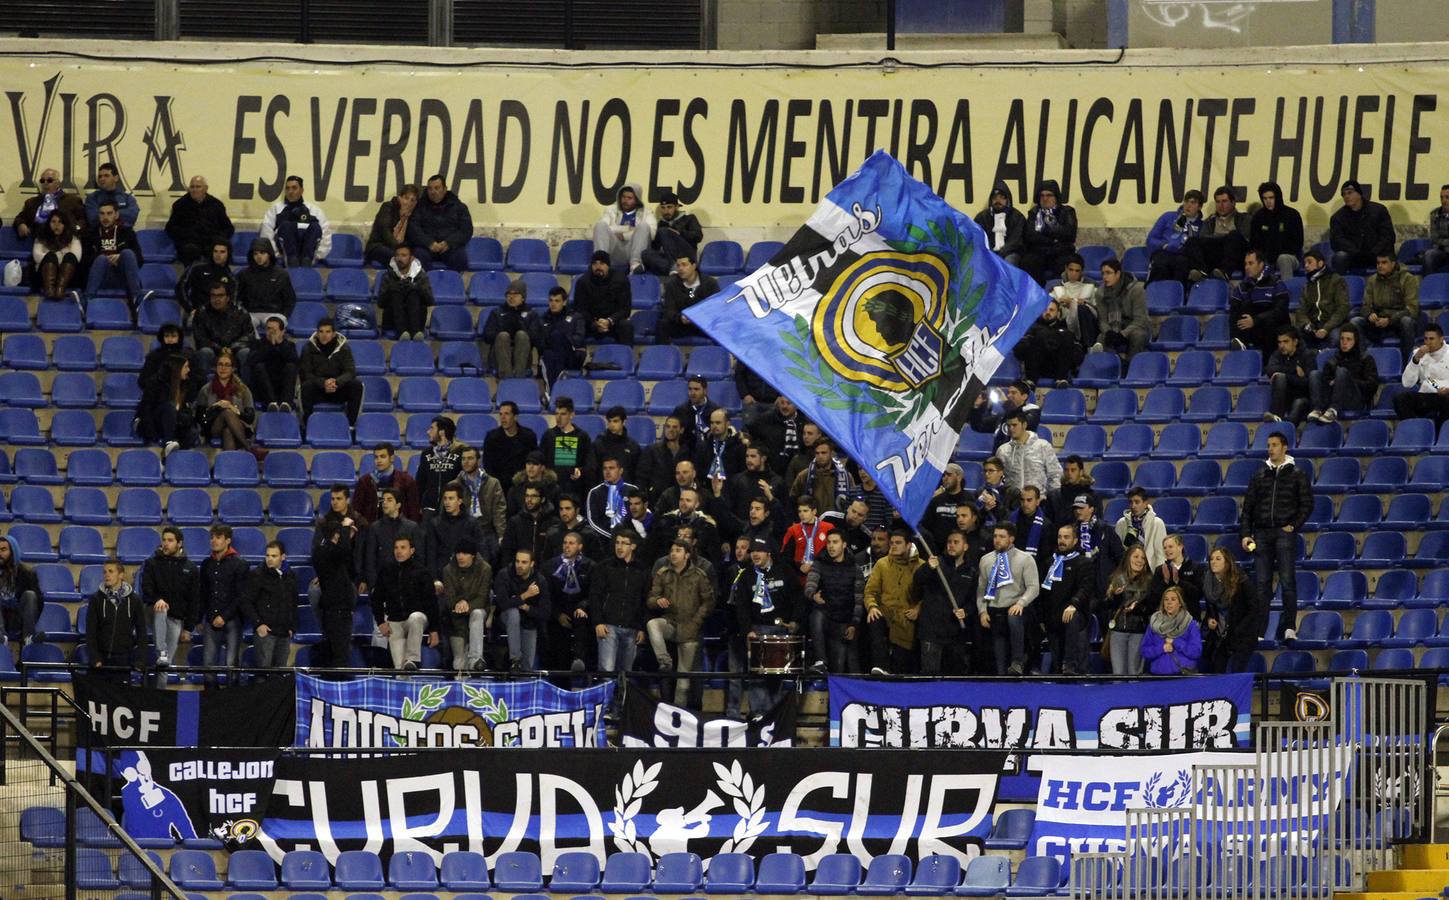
(1058, 568)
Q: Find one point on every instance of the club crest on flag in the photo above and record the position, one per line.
(881, 319)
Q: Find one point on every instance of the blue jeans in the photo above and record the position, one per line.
(522, 641)
(229, 634)
(298, 245)
(166, 634)
(1274, 555)
(829, 643)
(103, 274)
(617, 648)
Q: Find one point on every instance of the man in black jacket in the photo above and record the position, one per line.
(1068, 587)
(328, 372)
(271, 604)
(194, 286)
(1051, 234)
(115, 625)
(655, 473)
(114, 255)
(1034, 532)
(616, 603)
(439, 466)
(382, 534)
(197, 219)
(1359, 231)
(1276, 229)
(684, 288)
(560, 337)
(766, 601)
(220, 325)
(720, 452)
(333, 561)
(441, 227)
(506, 447)
(170, 585)
(676, 235)
(223, 585)
(20, 590)
(1278, 501)
(1257, 306)
(942, 625)
(603, 298)
(835, 596)
(263, 288)
(570, 572)
(521, 599)
(615, 441)
(1004, 224)
(695, 411)
(1049, 352)
(445, 529)
(511, 331)
(405, 606)
(1288, 370)
(529, 528)
(273, 365)
(404, 294)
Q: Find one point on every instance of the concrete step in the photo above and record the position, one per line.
(1425, 856)
(1424, 881)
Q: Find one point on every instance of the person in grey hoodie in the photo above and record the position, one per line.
(1004, 224)
(1006, 584)
(404, 294)
(1122, 312)
(626, 229)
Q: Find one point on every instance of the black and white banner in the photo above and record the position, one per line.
(253, 715)
(650, 722)
(813, 802)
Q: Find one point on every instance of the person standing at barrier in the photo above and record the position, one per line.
(1278, 501)
(1173, 643)
(1006, 585)
(890, 611)
(383, 533)
(271, 606)
(616, 602)
(115, 625)
(223, 584)
(1183, 574)
(766, 600)
(1068, 588)
(170, 585)
(681, 597)
(1230, 591)
(835, 594)
(405, 605)
(940, 626)
(333, 560)
(1125, 610)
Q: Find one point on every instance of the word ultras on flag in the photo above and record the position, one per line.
(882, 319)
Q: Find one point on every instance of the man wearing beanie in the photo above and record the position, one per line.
(676, 233)
(511, 331)
(602, 297)
(1359, 231)
(467, 580)
(440, 465)
(1003, 223)
(404, 295)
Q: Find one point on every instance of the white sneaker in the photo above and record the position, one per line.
(1096, 348)
(166, 450)
(1315, 416)
(1290, 635)
(1237, 344)
(1330, 415)
(1270, 417)
(877, 670)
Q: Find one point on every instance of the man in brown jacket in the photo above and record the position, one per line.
(683, 597)
(889, 613)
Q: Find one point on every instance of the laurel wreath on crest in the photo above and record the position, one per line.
(1182, 785)
(749, 803)
(628, 800)
(493, 709)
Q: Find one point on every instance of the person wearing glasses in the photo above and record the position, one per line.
(51, 199)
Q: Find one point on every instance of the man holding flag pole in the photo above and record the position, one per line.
(882, 319)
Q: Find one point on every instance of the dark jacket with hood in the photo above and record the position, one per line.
(1369, 230)
(679, 297)
(20, 577)
(1074, 590)
(1278, 363)
(1123, 306)
(1264, 298)
(220, 328)
(507, 594)
(1015, 223)
(507, 319)
(119, 237)
(271, 599)
(936, 618)
(395, 283)
(436, 468)
(223, 586)
(683, 223)
(265, 288)
(447, 220)
(1361, 368)
(194, 287)
(116, 625)
(1276, 496)
(1054, 229)
(603, 298)
(1324, 303)
(383, 224)
(1274, 232)
(841, 585)
(321, 362)
(336, 568)
(198, 223)
(441, 535)
(403, 589)
(176, 580)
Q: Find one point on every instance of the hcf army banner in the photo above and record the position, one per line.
(413, 712)
(1208, 712)
(882, 318)
(654, 802)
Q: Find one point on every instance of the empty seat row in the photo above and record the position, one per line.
(82, 544)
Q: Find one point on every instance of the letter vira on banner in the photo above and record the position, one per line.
(881, 319)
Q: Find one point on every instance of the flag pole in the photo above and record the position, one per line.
(945, 585)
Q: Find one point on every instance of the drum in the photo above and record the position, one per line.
(777, 654)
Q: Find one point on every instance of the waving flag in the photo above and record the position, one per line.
(882, 319)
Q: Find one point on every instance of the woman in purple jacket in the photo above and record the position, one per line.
(1173, 643)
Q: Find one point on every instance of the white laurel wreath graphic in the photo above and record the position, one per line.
(628, 799)
(749, 806)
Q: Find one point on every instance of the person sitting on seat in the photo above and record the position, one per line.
(625, 230)
(440, 227)
(1323, 308)
(1122, 318)
(109, 190)
(390, 226)
(603, 298)
(57, 253)
(676, 234)
(198, 219)
(1390, 305)
(1359, 231)
(298, 229)
(404, 294)
(1175, 251)
(1258, 306)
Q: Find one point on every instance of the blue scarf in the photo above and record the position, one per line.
(809, 554)
(1000, 576)
(762, 597)
(1134, 524)
(474, 484)
(1033, 535)
(568, 571)
(842, 479)
(614, 504)
(717, 467)
(1059, 565)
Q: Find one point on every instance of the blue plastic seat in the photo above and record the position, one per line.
(1413, 436)
(780, 873)
(154, 312)
(133, 467)
(485, 254)
(278, 429)
(1085, 440)
(1215, 334)
(1164, 298)
(579, 390)
(375, 428)
(117, 430)
(573, 256)
(1179, 440)
(666, 396)
(836, 874)
(678, 873)
(451, 323)
(34, 466)
(721, 258)
(52, 318)
(1194, 368)
(761, 252)
(660, 362)
(1382, 550)
(108, 314)
(464, 870)
(412, 871)
(1348, 661)
(56, 582)
(1114, 405)
(1130, 441)
(78, 544)
(616, 355)
(1331, 550)
(306, 283)
(517, 871)
(93, 870)
(1037, 876)
(1371, 628)
(376, 393)
(22, 389)
(1366, 437)
(1397, 660)
(420, 394)
(240, 507)
(33, 504)
(120, 353)
(329, 430)
(487, 289)
(368, 357)
(358, 870)
(1101, 369)
(333, 467)
(250, 870)
(539, 285)
(574, 872)
(189, 506)
(712, 363)
(54, 621)
(528, 255)
(412, 357)
(1385, 475)
(886, 875)
(1389, 362)
(1415, 627)
(119, 391)
(1147, 369)
(1338, 475)
(1252, 403)
(47, 655)
(1198, 478)
(1430, 474)
(187, 468)
(1395, 588)
(1240, 367)
(23, 351)
(86, 506)
(626, 392)
(194, 870)
(522, 391)
(1177, 333)
(986, 876)
(136, 543)
(1155, 476)
(1065, 406)
(74, 353)
(139, 506)
(1207, 297)
(1319, 629)
(1011, 830)
(1343, 590)
(629, 873)
(73, 428)
(936, 876)
(236, 468)
(1163, 404)
(1319, 441)
(447, 287)
(348, 286)
(1358, 513)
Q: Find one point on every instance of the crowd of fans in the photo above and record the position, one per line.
(556, 551)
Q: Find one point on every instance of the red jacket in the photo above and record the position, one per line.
(366, 501)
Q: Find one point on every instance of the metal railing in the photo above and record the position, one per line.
(42, 862)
